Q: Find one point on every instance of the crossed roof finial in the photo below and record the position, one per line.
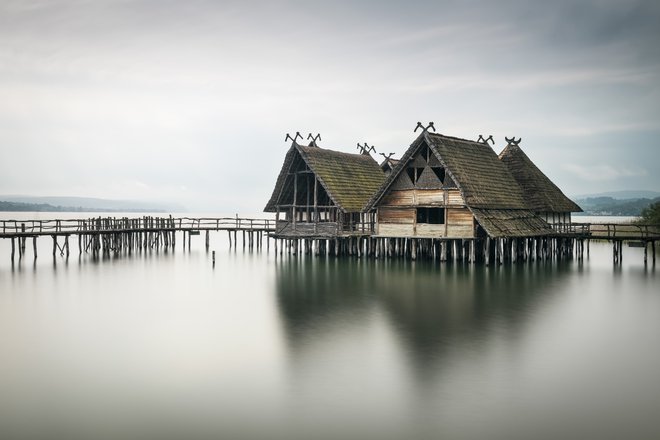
(387, 156)
(513, 141)
(486, 140)
(314, 139)
(293, 139)
(365, 149)
(419, 125)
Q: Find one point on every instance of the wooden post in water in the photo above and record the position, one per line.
(22, 239)
(13, 249)
(34, 246)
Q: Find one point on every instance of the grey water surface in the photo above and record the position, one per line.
(166, 345)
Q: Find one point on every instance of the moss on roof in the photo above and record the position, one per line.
(484, 181)
(508, 223)
(349, 179)
(541, 194)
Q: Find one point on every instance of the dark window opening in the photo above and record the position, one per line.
(434, 216)
(414, 173)
(440, 173)
(425, 153)
(411, 174)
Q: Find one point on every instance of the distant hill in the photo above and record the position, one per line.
(621, 195)
(81, 204)
(606, 205)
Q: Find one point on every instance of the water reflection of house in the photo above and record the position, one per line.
(431, 311)
(321, 193)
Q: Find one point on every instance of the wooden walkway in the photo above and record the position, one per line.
(111, 234)
(613, 231)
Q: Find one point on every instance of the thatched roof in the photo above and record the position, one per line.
(511, 222)
(349, 179)
(484, 181)
(540, 193)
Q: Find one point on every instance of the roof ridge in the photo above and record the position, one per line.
(308, 148)
(454, 138)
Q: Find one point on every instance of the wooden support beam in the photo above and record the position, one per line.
(295, 199)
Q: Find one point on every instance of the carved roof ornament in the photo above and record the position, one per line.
(365, 149)
(387, 156)
(513, 141)
(487, 140)
(293, 139)
(419, 125)
(314, 139)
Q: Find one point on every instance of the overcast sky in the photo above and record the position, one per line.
(189, 101)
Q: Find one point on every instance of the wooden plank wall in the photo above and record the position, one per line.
(423, 197)
(401, 222)
(460, 223)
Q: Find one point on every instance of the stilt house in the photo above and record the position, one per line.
(540, 193)
(446, 187)
(321, 193)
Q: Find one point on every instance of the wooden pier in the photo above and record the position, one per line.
(106, 235)
(111, 235)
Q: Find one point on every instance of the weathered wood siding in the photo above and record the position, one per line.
(423, 197)
(399, 198)
(396, 215)
(429, 197)
(428, 230)
(460, 223)
(286, 228)
(402, 222)
(395, 230)
(455, 198)
(459, 216)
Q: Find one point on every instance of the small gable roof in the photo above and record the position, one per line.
(540, 193)
(349, 179)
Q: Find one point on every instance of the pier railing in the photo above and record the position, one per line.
(612, 231)
(126, 224)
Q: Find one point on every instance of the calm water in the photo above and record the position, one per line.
(164, 345)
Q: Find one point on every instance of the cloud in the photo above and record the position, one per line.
(187, 94)
(602, 172)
